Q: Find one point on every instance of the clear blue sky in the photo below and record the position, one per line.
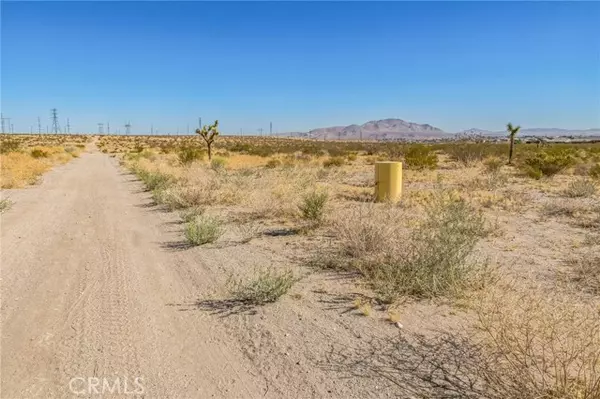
(454, 65)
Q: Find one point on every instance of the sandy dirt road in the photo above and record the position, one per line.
(86, 290)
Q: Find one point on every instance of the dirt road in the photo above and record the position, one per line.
(86, 290)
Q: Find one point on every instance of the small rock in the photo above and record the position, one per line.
(399, 325)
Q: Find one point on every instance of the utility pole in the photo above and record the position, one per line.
(270, 128)
(151, 129)
(260, 130)
(2, 118)
(39, 126)
(108, 128)
(55, 125)
(12, 128)
(200, 123)
(127, 128)
(100, 128)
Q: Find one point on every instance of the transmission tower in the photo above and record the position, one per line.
(2, 118)
(68, 126)
(108, 128)
(55, 125)
(151, 129)
(270, 128)
(39, 126)
(260, 131)
(100, 128)
(127, 128)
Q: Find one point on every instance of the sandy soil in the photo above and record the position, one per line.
(95, 283)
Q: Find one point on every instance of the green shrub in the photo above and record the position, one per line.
(188, 155)
(313, 207)
(203, 230)
(467, 153)
(37, 153)
(420, 157)
(266, 287)
(155, 180)
(334, 161)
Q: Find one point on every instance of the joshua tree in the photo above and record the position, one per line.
(512, 132)
(209, 134)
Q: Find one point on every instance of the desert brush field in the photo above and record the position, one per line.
(270, 270)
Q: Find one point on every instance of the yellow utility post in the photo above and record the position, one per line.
(388, 181)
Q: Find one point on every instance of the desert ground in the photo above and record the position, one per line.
(269, 271)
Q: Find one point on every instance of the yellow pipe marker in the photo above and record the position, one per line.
(388, 181)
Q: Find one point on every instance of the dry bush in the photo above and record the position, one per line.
(313, 207)
(543, 345)
(595, 171)
(5, 204)
(434, 260)
(585, 273)
(580, 188)
(526, 344)
(267, 286)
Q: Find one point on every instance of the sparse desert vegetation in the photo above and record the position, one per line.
(24, 158)
(461, 238)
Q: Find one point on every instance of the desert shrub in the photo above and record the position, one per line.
(39, 153)
(313, 205)
(273, 163)
(334, 161)
(203, 230)
(435, 259)
(580, 188)
(352, 157)
(595, 171)
(585, 273)
(190, 214)
(493, 164)
(7, 146)
(267, 286)
(5, 204)
(188, 155)
(155, 179)
(420, 157)
(547, 163)
(540, 346)
(467, 153)
(218, 164)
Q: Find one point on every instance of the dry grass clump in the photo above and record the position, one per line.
(5, 204)
(580, 188)
(585, 273)
(267, 286)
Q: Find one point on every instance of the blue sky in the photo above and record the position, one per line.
(301, 65)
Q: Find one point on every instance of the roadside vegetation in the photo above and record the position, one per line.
(24, 158)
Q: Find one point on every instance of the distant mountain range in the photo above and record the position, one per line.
(385, 129)
(395, 129)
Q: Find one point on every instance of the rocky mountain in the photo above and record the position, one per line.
(385, 129)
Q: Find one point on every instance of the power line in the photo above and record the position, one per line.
(55, 125)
